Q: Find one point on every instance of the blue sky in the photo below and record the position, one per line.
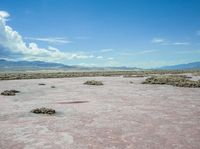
(138, 33)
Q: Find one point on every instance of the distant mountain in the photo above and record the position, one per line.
(189, 66)
(29, 65)
(41, 65)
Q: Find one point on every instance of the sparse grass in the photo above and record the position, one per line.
(9, 92)
(134, 76)
(93, 82)
(179, 81)
(43, 110)
(38, 75)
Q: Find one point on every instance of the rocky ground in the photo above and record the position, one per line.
(115, 115)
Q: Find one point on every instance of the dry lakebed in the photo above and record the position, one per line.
(115, 115)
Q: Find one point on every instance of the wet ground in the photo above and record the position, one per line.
(117, 115)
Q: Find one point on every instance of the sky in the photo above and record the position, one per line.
(133, 33)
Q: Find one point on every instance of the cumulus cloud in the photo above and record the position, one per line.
(13, 46)
(4, 14)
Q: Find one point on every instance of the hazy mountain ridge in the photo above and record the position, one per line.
(41, 65)
(194, 65)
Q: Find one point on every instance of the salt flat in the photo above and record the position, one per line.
(117, 115)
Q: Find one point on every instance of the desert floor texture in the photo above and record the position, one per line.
(117, 115)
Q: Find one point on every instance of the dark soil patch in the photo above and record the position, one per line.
(41, 84)
(73, 102)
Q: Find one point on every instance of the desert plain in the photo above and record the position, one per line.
(122, 113)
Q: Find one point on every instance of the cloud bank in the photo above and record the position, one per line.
(12, 46)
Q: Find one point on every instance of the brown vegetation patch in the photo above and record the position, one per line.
(38, 75)
(178, 81)
(9, 92)
(43, 110)
(93, 82)
(134, 76)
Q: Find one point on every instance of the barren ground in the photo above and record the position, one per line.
(117, 115)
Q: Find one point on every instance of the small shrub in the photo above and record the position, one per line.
(9, 92)
(53, 87)
(15, 91)
(93, 82)
(43, 110)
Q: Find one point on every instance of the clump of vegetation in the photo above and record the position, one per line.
(9, 92)
(181, 76)
(43, 110)
(93, 82)
(41, 84)
(134, 76)
(131, 82)
(53, 86)
(178, 81)
(38, 75)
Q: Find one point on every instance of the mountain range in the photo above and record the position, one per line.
(188, 66)
(41, 65)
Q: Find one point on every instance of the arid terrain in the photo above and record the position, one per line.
(122, 113)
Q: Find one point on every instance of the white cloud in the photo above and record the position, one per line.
(158, 40)
(138, 52)
(4, 14)
(162, 41)
(60, 40)
(12, 41)
(110, 58)
(181, 43)
(106, 50)
(99, 57)
(147, 51)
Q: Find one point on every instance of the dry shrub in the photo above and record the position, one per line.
(9, 92)
(178, 81)
(43, 110)
(93, 82)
